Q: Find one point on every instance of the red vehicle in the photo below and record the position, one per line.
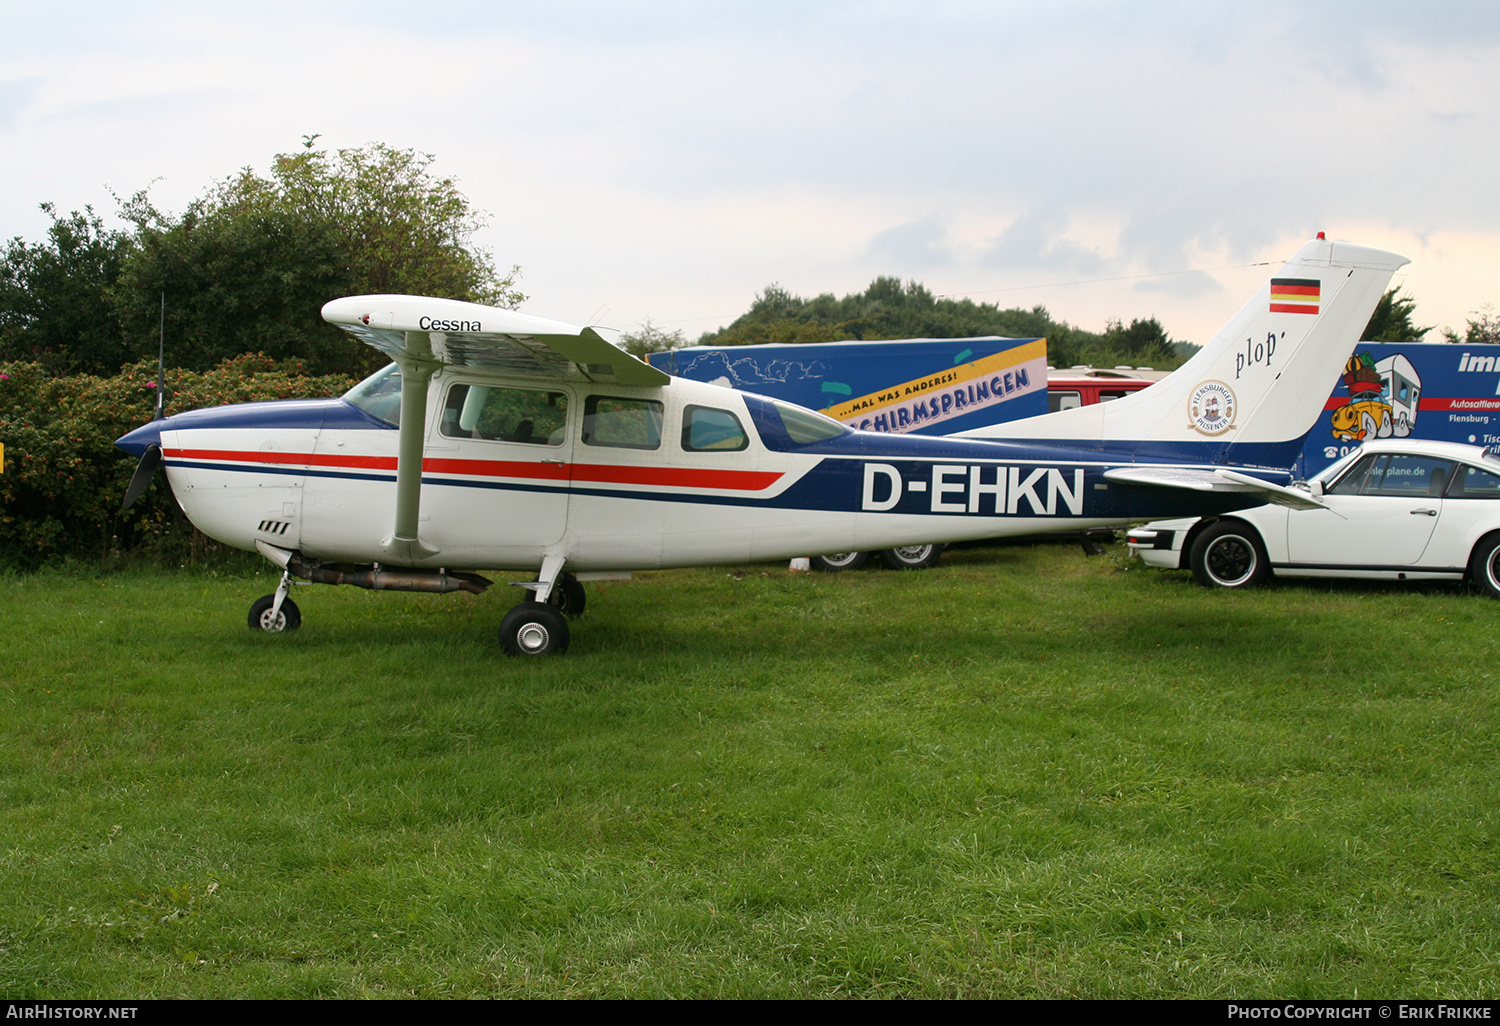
(1085, 386)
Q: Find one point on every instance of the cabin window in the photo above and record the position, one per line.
(705, 429)
(498, 414)
(379, 395)
(622, 423)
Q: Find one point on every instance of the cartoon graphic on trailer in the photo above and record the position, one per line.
(1382, 399)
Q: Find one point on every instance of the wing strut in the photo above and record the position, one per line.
(417, 367)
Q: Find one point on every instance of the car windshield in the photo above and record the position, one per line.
(1333, 470)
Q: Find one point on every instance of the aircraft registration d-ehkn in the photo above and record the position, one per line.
(500, 440)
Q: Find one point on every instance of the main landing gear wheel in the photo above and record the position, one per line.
(832, 564)
(534, 629)
(288, 619)
(567, 596)
(1229, 555)
(911, 557)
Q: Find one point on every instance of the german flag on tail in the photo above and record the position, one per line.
(1295, 295)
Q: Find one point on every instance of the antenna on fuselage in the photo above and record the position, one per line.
(161, 361)
(145, 470)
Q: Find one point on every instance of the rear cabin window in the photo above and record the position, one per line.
(806, 427)
(705, 429)
(500, 414)
(622, 423)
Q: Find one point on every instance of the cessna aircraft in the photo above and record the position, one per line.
(498, 439)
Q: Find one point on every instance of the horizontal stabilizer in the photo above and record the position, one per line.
(1217, 480)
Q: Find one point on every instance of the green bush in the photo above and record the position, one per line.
(64, 480)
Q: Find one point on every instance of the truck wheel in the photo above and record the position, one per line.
(911, 557)
(839, 561)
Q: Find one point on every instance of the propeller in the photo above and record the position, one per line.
(144, 470)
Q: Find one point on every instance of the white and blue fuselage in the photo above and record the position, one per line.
(317, 477)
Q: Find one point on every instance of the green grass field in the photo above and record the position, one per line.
(1022, 774)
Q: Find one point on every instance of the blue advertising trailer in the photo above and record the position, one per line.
(1438, 391)
(908, 386)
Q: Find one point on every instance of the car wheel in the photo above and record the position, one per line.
(839, 561)
(911, 557)
(1229, 555)
(1484, 566)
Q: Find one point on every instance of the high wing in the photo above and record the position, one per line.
(423, 334)
(447, 331)
(1217, 480)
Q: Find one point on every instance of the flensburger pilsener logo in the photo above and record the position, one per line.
(1211, 408)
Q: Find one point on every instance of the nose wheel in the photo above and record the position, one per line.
(265, 617)
(276, 614)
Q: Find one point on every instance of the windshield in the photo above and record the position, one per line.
(379, 395)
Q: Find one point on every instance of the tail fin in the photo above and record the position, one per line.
(1252, 393)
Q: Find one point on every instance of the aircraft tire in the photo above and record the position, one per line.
(534, 629)
(911, 557)
(1229, 555)
(568, 596)
(289, 619)
(839, 561)
(1484, 566)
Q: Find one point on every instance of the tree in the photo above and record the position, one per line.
(1144, 343)
(55, 307)
(1483, 329)
(890, 309)
(248, 267)
(236, 279)
(405, 228)
(651, 339)
(1391, 321)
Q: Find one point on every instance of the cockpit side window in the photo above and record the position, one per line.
(705, 429)
(499, 414)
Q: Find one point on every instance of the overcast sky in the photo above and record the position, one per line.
(671, 159)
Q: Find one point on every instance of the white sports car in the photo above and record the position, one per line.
(1401, 509)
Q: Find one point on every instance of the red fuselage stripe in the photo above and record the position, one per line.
(678, 477)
